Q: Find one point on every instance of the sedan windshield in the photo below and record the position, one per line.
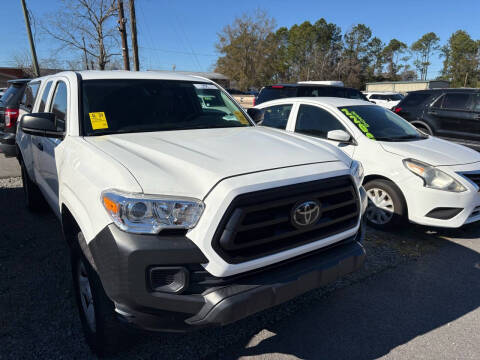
(378, 123)
(123, 106)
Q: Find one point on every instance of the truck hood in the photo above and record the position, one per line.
(191, 162)
(433, 151)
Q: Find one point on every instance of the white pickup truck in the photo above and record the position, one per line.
(180, 215)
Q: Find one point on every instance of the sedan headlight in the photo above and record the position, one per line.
(146, 214)
(357, 172)
(432, 177)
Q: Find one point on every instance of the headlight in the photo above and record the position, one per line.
(432, 177)
(357, 172)
(145, 214)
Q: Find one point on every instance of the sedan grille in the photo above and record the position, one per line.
(270, 221)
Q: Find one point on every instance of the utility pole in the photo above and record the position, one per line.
(123, 33)
(133, 30)
(85, 53)
(30, 39)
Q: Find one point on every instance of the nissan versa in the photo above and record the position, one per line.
(408, 174)
(180, 213)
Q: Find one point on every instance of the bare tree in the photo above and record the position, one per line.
(87, 26)
(22, 60)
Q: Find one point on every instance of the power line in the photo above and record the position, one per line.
(178, 51)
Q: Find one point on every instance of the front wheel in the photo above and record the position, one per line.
(101, 327)
(386, 206)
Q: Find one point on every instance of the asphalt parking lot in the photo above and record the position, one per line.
(418, 297)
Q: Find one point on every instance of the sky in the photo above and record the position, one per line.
(182, 34)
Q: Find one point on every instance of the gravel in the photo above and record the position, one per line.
(38, 317)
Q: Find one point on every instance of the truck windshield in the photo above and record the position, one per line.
(378, 123)
(123, 106)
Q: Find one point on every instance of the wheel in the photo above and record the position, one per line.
(100, 324)
(33, 197)
(386, 205)
(423, 128)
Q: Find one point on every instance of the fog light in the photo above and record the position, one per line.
(167, 279)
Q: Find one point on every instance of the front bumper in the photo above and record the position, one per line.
(422, 201)
(123, 259)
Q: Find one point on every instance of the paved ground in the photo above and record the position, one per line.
(8, 167)
(417, 298)
(426, 309)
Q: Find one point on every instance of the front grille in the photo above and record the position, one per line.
(259, 223)
(473, 177)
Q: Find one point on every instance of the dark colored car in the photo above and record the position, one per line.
(452, 114)
(10, 104)
(280, 91)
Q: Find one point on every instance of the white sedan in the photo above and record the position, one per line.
(407, 174)
(386, 99)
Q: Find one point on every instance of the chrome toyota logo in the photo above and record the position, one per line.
(305, 214)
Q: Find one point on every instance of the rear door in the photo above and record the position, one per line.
(454, 116)
(47, 167)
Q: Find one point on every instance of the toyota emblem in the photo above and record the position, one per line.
(305, 213)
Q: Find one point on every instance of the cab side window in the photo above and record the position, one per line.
(43, 100)
(277, 116)
(29, 96)
(59, 105)
(312, 120)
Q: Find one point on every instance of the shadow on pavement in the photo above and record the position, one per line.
(369, 319)
(38, 318)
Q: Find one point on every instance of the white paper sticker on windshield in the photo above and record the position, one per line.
(205, 86)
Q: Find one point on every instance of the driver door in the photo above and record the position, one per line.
(317, 122)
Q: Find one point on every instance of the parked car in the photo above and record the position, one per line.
(245, 99)
(452, 114)
(386, 99)
(306, 89)
(10, 104)
(179, 216)
(408, 174)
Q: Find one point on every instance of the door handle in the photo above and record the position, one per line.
(40, 146)
(433, 112)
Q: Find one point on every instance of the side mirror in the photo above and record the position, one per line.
(255, 114)
(40, 124)
(339, 135)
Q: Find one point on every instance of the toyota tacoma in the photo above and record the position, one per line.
(181, 213)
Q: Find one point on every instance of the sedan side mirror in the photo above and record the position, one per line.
(339, 135)
(255, 114)
(40, 124)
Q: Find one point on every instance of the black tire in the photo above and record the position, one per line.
(423, 128)
(106, 337)
(398, 213)
(33, 197)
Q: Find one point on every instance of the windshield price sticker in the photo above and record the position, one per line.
(240, 117)
(98, 120)
(359, 121)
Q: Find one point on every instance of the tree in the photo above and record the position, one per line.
(375, 55)
(424, 47)
(248, 47)
(461, 65)
(88, 27)
(355, 59)
(391, 54)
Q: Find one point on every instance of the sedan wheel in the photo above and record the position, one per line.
(380, 208)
